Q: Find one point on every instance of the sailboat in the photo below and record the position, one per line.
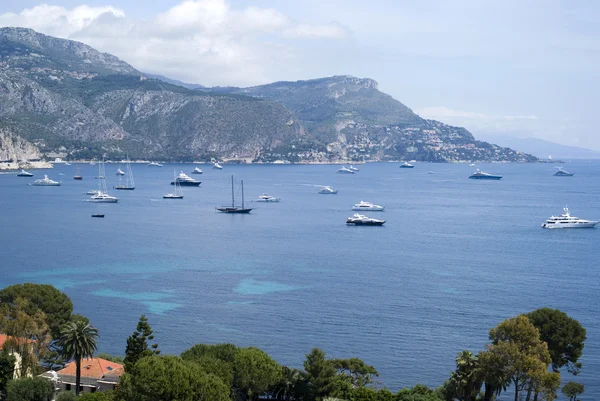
(129, 184)
(233, 208)
(77, 175)
(178, 194)
(102, 196)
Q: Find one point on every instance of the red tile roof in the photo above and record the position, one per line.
(94, 368)
(4, 337)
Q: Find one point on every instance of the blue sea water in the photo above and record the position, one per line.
(455, 258)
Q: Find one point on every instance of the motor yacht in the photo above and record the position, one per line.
(197, 171)
(120, 172)
(480, 175)
(362, 205)
(353, 168)
(217, 166)
(24, 173)
(472, 165)
(565, 220)
(186, 181)
(406, 165)
(102, 197)
(562, 173)
(267, 198)
(46, 182)
(154, 164)
(327, 190)
(93, 192)
(345, 170)
(362, 220)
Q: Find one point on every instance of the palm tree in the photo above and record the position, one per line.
(77, 341)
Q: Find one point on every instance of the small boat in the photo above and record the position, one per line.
(362, 205)
(197, 171)
(431, 172)
(46, 182)
(480, 175)
(98, 215)
(129, 184)
(353, 168)
(472, 165)
(24, 173)
(67, 164)
(345, 170)
(92, 163)
(562, 173)
(154, 164)
(406, 165)
(326, 190)
(178, 194)
(92, 192)
(362, 220)
(565, 220)
(185, 180)
(233, 208)
(267, 198)
(217, 166)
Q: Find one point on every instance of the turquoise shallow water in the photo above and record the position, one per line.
(455, 257)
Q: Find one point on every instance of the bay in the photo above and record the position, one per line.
(455, 258)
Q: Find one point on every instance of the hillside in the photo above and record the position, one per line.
(542, 148)
(65, 97)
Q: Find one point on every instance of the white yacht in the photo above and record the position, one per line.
(267, 198)
(362, 205)
(46, 182)
(154, 164)
(406, 165)
(565, 220)
(345, 170)
(327, 190)
(197, 171)
(103, 197)
(93, 192)
(217, 166)
(24, 173)
(120, 172)
(353, 168)
(562, 173)
(362, 220)
(185, 180)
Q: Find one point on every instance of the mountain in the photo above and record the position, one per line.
(174, 81)
(541, 148)
(66, 97)
(357, 121)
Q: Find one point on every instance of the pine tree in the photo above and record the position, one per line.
(137, 344)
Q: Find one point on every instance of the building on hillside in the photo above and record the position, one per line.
(97, 374)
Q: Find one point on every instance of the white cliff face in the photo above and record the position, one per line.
(16, 152)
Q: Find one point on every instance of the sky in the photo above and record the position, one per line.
(497, 67)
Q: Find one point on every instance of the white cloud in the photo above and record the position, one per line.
(202, 41)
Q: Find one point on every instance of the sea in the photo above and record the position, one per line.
(454, 258)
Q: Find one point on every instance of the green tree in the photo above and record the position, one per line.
(7, 371)
(29, 335)
(572, 390)
(419, 392)
(291, 385)
(525, 358)
(169, 378)
(354, 371)
(77, 341)
(137, 344)
(67, 396)
(254, 372)
(466, 381)
(320, 375)
(30, 389)
(112, 358)
(564, 335)
(106, 396)
(56, 306)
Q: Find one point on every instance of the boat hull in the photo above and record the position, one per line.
(78, 178)
(123, 188)
(368, 209)
(267, 200)
(407, 166)
(24, 175)
(98, 215)
(187, 183)
(46, 185)
(173, 197)
(103, 200)
(588, 224)
(364, 223)
(237, 210)
(488, 177)
(564, 175)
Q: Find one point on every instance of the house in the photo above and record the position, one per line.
(18, 358)
(97, 374)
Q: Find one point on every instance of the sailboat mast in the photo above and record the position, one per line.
(242, 194)
(232, 198)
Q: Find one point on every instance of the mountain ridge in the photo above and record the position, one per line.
(65, 96)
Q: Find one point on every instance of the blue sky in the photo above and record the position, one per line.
(496, 67)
